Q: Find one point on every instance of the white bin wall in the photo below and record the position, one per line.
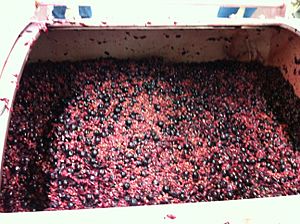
(269, 45)
(285, 54)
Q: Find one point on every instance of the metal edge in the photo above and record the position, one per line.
(261, 211)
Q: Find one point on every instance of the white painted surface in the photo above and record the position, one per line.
(14, 16)
(281, 210)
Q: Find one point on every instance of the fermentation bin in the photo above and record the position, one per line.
(274, 42)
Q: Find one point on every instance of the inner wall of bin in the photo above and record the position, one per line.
(270, 45)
